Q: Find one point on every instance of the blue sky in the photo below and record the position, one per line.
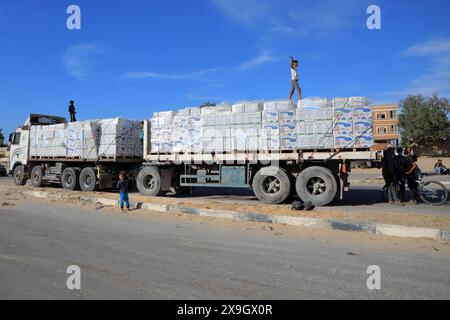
(134, 57)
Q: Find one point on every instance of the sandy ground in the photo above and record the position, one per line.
(10, 195)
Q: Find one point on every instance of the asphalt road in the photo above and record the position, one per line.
(163, 257)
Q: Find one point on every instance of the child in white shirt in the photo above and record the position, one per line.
(294, 80)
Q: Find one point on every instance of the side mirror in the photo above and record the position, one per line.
(11, 138)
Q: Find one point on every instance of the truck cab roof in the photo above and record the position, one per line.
(42, 119)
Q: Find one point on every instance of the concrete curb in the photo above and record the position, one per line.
(342, 225)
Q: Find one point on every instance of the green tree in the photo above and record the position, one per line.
(424, 120)
(2, 138)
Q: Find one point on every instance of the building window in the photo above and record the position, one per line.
(394, 114)
(381, 116)
(393, 129)
(381, 130)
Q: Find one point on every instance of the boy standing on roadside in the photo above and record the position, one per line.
(122, 185)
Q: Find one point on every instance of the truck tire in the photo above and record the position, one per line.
(37, 175)
(271, 185)
(19, 175)
(149, 182)
(318, 185)
(88, 179)
(69, 179)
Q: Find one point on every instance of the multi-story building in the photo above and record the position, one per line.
(385, 124)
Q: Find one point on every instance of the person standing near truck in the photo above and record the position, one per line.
(401, 162)
(72, 111)
(122, 185)
(294, 80)
(389, 175)
(413, 174)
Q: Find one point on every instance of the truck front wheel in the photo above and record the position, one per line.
(19, 175)
(69, 179)
(316, 184)
(88, 180)
(271, 185)
(37, 176)
(149, 181)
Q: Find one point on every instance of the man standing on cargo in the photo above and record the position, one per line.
(72, 111)
(294, 80)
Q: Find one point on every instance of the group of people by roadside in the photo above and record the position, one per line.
(399, 169)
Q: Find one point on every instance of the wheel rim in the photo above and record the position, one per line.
(149, 182)
(36, 176)
(316, 186)
(18, 175)
(271, 185)
(88, 180)
(68, 179)
(433, 193)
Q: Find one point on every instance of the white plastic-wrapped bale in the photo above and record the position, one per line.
(343, 123)
(245, 131)
(362, 126)
(358, 102)
(278, 105)
(216, 132)
(315, 124)
(83, 139)
(119, 138)
(75, 140)
(187, 132)
(353, 122)
(247, 138)
(247, 106)
(48, 141)
(216, 139)
(220, 108)
(161, 132)
(313, 103)
(271, 137)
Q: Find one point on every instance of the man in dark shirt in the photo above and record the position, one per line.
(401, 163)
(72, 111)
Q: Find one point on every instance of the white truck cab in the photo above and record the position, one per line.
(20, 145)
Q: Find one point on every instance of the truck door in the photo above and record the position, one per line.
(19, 148)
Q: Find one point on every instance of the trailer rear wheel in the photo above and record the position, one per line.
(37, 176)
(19, 175)
(318, 185)
(149, 182)
(88, 179)
(69, 179)
(271, 185)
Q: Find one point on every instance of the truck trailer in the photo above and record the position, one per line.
(46, 150)
(318, 175)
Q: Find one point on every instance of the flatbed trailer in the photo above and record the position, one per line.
(319, 176)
